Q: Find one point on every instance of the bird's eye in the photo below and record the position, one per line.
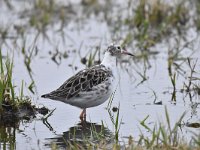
(118, 47)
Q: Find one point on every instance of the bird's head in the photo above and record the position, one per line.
(117, 50)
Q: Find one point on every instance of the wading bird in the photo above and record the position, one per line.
(92, 86)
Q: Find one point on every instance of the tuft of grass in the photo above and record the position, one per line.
(6, 87)
(162, 136)
(155, 19)
(9, 101)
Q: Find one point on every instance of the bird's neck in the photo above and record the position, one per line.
(109, 61)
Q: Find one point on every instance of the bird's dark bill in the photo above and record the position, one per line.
(127, 53)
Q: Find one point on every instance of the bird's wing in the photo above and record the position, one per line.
(82, 81)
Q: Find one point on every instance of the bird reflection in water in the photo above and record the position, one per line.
(83, 135)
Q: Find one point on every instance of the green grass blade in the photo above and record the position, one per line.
(164, 135)
(1, 63)
(144, 124)
(22, 90)
(9, 73)
(167, 118)
(1, 94)
(117, 125)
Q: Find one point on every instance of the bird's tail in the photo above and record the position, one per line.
(45, 96)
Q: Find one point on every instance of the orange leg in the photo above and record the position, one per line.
(83, 115)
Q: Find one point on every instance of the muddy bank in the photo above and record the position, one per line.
(13, 113)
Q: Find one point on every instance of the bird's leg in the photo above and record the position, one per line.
(83, 115)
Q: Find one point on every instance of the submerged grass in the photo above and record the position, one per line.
(167, 137)
(191, 77)
(173, 81)
(160, 136)
(155, 19)
(164, 136)
(114, 118)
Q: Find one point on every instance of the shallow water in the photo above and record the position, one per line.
(82, 34)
